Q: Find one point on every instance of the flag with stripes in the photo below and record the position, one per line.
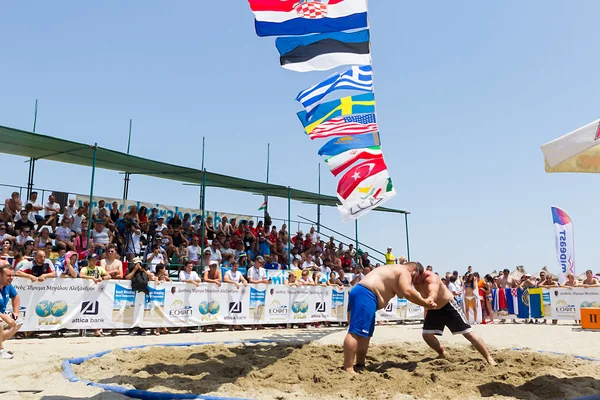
(356, 78)
(351, 125)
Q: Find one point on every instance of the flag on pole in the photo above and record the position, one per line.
(350, 105)
(337, 164)
(263, 207)
(354, 211)
(355, 179)
(324, 51)
(356, 78)
(301, 17)
(352, 125)
(564, 242)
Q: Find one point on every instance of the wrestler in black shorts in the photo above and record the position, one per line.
(451, 316)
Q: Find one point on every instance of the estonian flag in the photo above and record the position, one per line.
(324, 51)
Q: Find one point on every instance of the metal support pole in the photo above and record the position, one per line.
(289, 227)
(127, 175)
(91, 197)
(318, 205)
(203, 212)
(407, 241)
(268, 164)
(356, 233)
(32, 160)
(202, 187)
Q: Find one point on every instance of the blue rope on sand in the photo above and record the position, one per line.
(143, 394)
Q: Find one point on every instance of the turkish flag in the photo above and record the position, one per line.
(353, 178)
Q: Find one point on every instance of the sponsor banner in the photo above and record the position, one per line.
(414, 312)
(564, 243)
(278, 305)
(567, 303)
(256, 303)
(164, 210)
(388, 313)
(339, 305)
(299, 304)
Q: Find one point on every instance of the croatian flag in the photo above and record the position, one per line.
(301, 17)
(511, 301)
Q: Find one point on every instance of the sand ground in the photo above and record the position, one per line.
(37, 362)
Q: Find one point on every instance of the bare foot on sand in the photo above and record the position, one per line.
(350, 371)
(442, 353)
(491, 361)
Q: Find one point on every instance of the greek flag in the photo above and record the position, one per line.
(356, 78)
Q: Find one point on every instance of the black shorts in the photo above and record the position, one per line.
(451, 316)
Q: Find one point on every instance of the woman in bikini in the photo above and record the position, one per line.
(470, 297)
(487, 288)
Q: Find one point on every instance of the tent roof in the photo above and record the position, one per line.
(577, 151)
(42, 147)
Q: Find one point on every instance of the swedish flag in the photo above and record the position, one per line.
(360, 104)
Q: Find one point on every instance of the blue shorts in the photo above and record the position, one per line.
(362, 306)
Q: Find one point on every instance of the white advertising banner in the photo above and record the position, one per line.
(567, 303)
(164, 210)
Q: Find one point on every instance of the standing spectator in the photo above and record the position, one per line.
(590, 280)
(9, 323)
(213, 274)
(257, 273)
(225, 228)
(112, 265)
(306, 279)
(186, 223)
(211, 232)
(132, 242)
(189, 276)
(215, 253)
(38, 269)
(51, 211)
(234, 276)
(389, 257)
(77, 220)
(549, 283)
(67, 266)
(271, 263)
(115, 214)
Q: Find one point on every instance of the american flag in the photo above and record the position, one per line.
(351, 125)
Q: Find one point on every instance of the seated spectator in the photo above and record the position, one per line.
(28, 249)
(77, 220)
(10, 323)
(226, 250)
(67, 266)
(34, 214)
(12, 206)
(43, 239)
(224, 228)
(256, 273)
(51, 211)
(49, 250)
(24, 236)
(175, 221)
(211, 231)
(111, 264)
(319, 278)
(70, 210)
(189, 276)
(264, 245)
(215, 253)
(142, 218)
(114, 214)
(153, 217)
(347, 262)
(101, 237)
(23, 222)
(271, 263)
(81, 242)
(64, 233)
(157, 256)
(160, 224)
(38, 269)
(97, 210)
(234, 276)
(193, 250)
(295, 265)
(358, 276)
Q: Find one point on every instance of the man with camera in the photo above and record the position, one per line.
(9, 323)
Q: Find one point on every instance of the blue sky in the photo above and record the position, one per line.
(467, 92)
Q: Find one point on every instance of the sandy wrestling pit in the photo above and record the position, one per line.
(295, 371)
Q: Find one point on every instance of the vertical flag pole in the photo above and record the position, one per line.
(126, 182)
(202, 206)
(32, 160)
(289, 227)
(268, 163)
(319, 205)
(356, 234)
(89, 233)
(407, 241)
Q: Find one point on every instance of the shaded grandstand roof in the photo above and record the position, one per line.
(42, 147)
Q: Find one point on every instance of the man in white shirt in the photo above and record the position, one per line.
(101, 206)
(77, 219)
(189, 276)
(34, 216)
(70, 210)
(215, 254)
(326, 266)
(257, 273)
(158, 256)
(51, 211)
(193, 250)
(160, 224)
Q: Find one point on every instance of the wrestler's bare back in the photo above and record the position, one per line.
(385, 283)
